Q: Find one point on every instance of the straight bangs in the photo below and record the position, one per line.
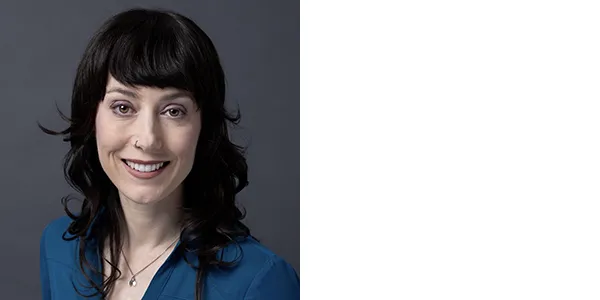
(144, 48)
(152, 55)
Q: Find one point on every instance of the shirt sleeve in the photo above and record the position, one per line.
(277, 280)
(45, 281)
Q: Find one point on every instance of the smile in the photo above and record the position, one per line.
(145, 170)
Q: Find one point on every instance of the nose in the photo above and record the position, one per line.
(148, 135)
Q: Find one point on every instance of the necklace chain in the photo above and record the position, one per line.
(133, 281)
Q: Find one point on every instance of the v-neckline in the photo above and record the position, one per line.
(159, 279)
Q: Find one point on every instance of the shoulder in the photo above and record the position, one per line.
(59, 265)
(52, 243)
(58, 225)
(259, 273)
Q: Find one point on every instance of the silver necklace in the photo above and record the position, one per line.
(133, 281)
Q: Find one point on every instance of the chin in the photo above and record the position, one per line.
(144, 198)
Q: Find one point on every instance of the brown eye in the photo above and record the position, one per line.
(123, 109)
(174, 113)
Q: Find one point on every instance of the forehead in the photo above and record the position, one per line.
(115, 86)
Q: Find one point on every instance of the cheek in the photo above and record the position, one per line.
(183, 145)
(108, 137)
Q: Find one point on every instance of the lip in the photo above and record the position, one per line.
(145, 162)
(144, 175)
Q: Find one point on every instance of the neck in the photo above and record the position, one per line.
(151, 225)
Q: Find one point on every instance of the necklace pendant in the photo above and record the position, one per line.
(132, 282)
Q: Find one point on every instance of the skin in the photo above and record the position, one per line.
(165, 124)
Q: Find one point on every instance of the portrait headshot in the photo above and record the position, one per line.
(166, 151)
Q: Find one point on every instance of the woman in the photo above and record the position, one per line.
(151, 155)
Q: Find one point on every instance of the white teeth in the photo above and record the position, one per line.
(145, 168)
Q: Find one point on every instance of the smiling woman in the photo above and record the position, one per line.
(163, 125)
(151, 155)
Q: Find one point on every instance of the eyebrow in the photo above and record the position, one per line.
(132, 94)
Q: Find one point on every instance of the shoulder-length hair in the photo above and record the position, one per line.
(161, 49)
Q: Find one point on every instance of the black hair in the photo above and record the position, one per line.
(155, 48)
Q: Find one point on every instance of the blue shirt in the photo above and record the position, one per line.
(259, 274)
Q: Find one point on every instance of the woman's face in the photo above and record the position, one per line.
(146, 139)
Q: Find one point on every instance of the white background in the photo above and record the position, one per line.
(449, 149)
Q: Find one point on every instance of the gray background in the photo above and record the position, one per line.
(40, 45)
